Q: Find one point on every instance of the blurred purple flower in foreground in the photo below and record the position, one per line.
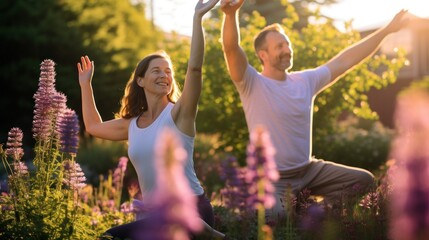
(235, 191)
(261, 169)
(313, 220)
(171, 209)
(410, 180)
(119, 173)
(260, 175)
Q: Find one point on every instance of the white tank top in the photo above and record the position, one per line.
(141, 143)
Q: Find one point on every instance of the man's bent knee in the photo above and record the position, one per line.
(365, 180)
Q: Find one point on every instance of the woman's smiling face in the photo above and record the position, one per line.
(158, 77)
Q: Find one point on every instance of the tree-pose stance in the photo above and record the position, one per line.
(282, 101)
(152, 102)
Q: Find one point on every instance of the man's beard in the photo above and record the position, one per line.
(284, 62)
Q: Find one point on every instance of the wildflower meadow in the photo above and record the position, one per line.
(50, 198)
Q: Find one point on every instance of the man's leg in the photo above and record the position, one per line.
(286, 188)
(332, 181)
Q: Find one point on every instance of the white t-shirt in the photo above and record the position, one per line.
(285, 109)
(141, 150)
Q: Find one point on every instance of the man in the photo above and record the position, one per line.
(282, 101)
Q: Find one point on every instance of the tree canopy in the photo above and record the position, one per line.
(115, 34)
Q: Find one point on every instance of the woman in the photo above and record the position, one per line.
(152, 101)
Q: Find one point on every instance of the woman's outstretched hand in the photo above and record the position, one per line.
(202, 8)
(85, 68)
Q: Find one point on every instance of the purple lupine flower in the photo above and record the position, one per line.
(127, 208)
(305, 199)
(410, 189)
(261, 168)
(235, 191)
(162, 223)
(385, 188)
(172, 210)
(68, 130)
(74, 177)
(58, 105)
(4, 187)
(370, 200)
(119, 172)
(59, 102)
(43, 110)
(123, 161)
(313, 219)
(94, 222)
(47, 74)
(109, 204)
(20, 168)
(14, 144)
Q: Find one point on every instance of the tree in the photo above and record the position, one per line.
(119, 39)
(31, 31)
(116, 34)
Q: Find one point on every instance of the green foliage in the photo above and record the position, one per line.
(115, 34)
(236, 226)
(207, 162)
(422, 84)
(355, 142)
(178, 48)
(319, 42)
(116, 40)
(105, 205)
(98, 156)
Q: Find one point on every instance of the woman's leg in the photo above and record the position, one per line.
(205, 209)
(122, 231)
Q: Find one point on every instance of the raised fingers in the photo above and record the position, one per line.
(205, 7)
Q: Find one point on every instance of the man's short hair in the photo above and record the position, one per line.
(259, 42)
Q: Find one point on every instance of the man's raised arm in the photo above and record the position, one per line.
(356, 53)
(235, 56)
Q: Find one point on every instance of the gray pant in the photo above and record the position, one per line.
(322, 178)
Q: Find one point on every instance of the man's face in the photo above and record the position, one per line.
(278, 53)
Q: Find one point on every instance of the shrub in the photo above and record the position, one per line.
(355, 143)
